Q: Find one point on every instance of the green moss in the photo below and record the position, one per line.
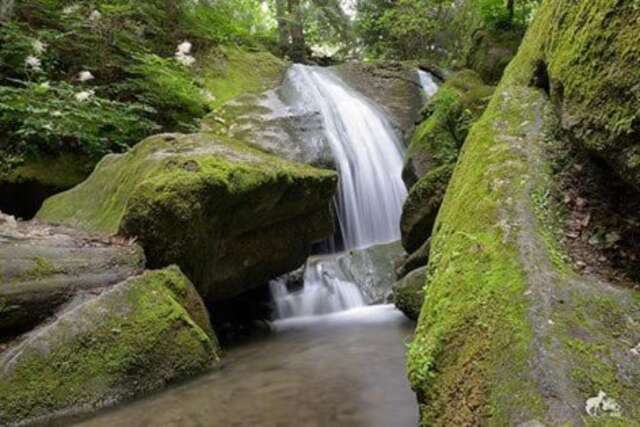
(475, 307)
(131, 340)
(229, 72)
(408, 294)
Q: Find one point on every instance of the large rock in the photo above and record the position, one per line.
(433, 151)
(408, 293)
(43, 266)
(509, 334)
(421, 207)
(394, 86)
(231, 216)
(418, 259)
(134, 338)
(490, 52)
(591, 67)
(446, 120)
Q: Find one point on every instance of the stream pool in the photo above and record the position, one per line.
(341, 369)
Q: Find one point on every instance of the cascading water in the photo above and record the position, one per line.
(367, 152)
(369, 160)
(428, 83)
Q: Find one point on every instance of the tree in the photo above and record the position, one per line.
(283, 26)
(298, 48)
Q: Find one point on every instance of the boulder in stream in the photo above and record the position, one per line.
(408, 293)
(231, 216)
(134, 338)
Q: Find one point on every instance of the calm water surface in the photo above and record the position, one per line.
(342, 369)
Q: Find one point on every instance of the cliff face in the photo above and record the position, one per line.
(509, 333)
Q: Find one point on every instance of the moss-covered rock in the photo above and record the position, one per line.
(508, 333)
(231, 216)
(132, 339)
(408, 293)
(421, 207)
(42, 267)
(413, 261)
(589, 55)
(490, 52)
(446, 121)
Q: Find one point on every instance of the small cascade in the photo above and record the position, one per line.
(323, 291)
(428, 83)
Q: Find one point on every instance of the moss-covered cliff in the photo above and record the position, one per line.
(508, 333)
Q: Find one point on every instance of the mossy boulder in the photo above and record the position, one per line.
(589, 61)
(491, 51)
(132, 339)
(421, 207)
(42, 267)
(509, 334)
(408, 293)
(445, 123)
(417, 259)
(231, 216)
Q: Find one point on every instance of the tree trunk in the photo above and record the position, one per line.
(283, 27)
(298, 47)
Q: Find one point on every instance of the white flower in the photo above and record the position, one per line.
(186, 60)
(85, 76)
(95, 15)
(184, 48)
(84, 95)
(70, 9)
(39, 47)
(602, 405)
(33, 62)
(183, 54)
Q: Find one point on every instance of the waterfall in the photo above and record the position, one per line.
(367, 153)
(369, 158)
(428, 83)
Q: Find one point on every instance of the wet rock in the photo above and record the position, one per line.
(232, 220)
(421, 207)
(418, 259)
(408, 293)
(132, 339)
(392, 85)
(43, 266)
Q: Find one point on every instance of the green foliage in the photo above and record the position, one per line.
(165, 84)
(127, 52)
(43, 117)
(409, 29)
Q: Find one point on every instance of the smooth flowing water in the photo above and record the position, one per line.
(428, 83)
(343, 369)
(367, 152)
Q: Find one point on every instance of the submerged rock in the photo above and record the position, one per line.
(132, 339)
(231, 216)
(508, 333)
(408, 293)
(43, 266)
